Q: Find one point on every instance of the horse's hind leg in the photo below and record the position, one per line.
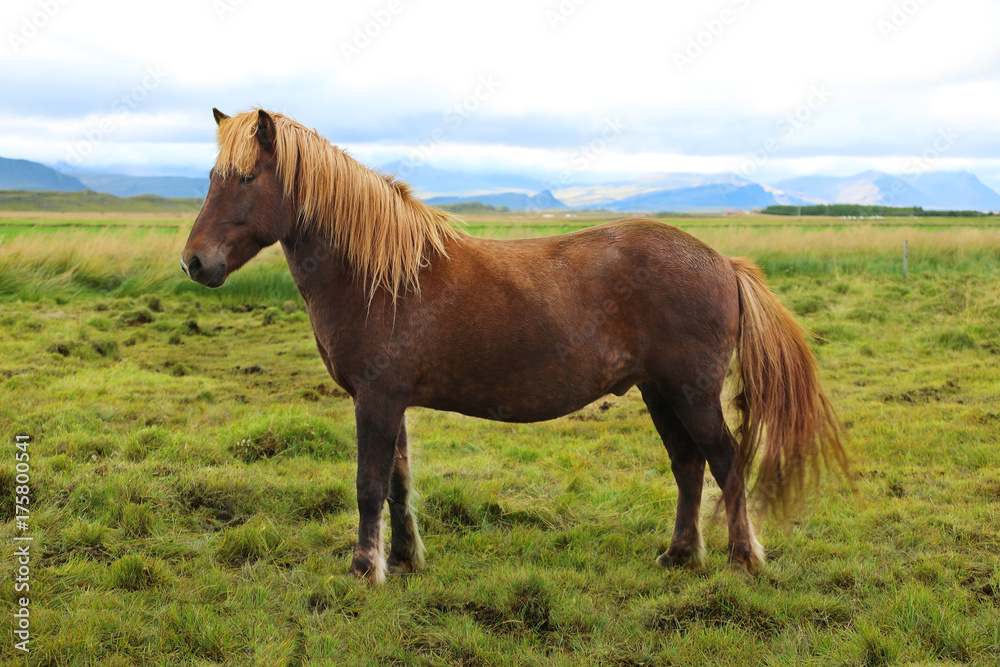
(702, 417)
(688, 465)
(406, 553)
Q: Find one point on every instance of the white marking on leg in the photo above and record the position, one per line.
(698, 554)
(416, 545)
(376, 575)
(757, 558)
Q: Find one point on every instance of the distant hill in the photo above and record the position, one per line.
(27, 175)
(932, 190)
(514, 201)
(129, 186)
(868, 187)
(716, 196)
(87, 201)
(957, 190)
(600, 195)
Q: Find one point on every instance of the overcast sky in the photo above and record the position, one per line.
(765, 88)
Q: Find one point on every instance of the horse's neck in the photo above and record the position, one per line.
(325, 281)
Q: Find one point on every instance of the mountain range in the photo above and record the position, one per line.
(931, 190)
(130, 186)
(26, 175)
(515, 201)
(679, 192)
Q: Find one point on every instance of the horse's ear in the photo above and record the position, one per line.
(266, 132)
(219, 116)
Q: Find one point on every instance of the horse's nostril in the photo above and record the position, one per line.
(194, 265)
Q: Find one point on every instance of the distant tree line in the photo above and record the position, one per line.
(858, 210)
(473, 207)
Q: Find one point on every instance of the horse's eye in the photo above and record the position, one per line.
(246, 180)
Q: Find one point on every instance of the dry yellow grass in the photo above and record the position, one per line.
(122, 248)
(105, 250)
(114, 216)
(751, 239)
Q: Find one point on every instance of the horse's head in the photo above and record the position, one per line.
(245, 211)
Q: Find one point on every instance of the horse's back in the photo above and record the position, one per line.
(624, 247)
(632, 268)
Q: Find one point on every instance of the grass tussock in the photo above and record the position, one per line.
(290, 433)
(136, 573)
(253, 541)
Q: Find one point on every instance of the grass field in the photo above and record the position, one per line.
(192, 473)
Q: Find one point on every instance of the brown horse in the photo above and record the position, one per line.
(409, 311)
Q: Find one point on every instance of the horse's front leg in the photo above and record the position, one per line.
(406, 552)
(379, 422)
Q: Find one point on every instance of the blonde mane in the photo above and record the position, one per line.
(385, 233)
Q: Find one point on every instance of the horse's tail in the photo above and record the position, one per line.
(786, 417)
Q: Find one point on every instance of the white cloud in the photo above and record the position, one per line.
(754, 63)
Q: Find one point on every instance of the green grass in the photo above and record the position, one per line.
(193, 483)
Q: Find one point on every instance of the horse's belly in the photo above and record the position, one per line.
(524, 394)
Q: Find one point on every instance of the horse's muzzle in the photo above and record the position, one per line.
(207, 275)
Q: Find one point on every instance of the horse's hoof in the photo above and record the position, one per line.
(740, 571)
(751, 562)
(411, 560)
(692, 558)
(373, 574)
(400, 567)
